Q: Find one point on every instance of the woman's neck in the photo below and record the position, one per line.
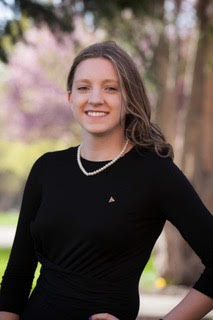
(103, 149)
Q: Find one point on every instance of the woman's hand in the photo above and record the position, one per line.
(4, 315)
(102, 316)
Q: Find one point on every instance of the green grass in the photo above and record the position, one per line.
(8, 219)
(149, 276)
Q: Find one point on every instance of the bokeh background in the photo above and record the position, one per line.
(171, 41)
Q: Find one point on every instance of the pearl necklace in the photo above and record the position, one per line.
(92, 173)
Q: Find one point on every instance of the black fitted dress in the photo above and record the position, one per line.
(94, 234)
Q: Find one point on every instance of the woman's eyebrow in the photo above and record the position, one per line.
(110, 80)
(82, 80)
(88, 81)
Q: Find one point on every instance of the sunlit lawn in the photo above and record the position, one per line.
(9, 219)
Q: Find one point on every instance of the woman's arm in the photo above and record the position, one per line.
(193, 307)
(8, 316)
(18, 276)
(178, 202)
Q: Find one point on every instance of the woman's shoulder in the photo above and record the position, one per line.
(153, 158)
(164, 169)
(60, 154)
(55, 156)
(160, 168)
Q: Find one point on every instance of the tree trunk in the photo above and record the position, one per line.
(183, 266)
(198, 148)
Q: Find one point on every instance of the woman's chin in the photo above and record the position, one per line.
(96, 130)
(101, 130)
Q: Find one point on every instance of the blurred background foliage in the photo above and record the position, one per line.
(171, 42)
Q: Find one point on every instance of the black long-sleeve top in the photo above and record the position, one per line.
(94, 249)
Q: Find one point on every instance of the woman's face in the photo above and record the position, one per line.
(96, 97)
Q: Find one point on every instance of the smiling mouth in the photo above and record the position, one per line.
(96, 113)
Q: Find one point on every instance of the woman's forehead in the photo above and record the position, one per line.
(96, 68)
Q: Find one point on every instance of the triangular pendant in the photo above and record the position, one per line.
(111, 199)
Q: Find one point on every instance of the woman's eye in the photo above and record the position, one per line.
(111, 89)
(82, 88)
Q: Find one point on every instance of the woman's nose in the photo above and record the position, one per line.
(96, 97)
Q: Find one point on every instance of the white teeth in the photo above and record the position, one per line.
(95, 114)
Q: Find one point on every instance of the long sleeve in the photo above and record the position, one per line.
(180, 204)
(17, 279)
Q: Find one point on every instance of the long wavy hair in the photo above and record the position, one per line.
(138, 126)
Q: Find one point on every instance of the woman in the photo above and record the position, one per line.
(91, 214)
